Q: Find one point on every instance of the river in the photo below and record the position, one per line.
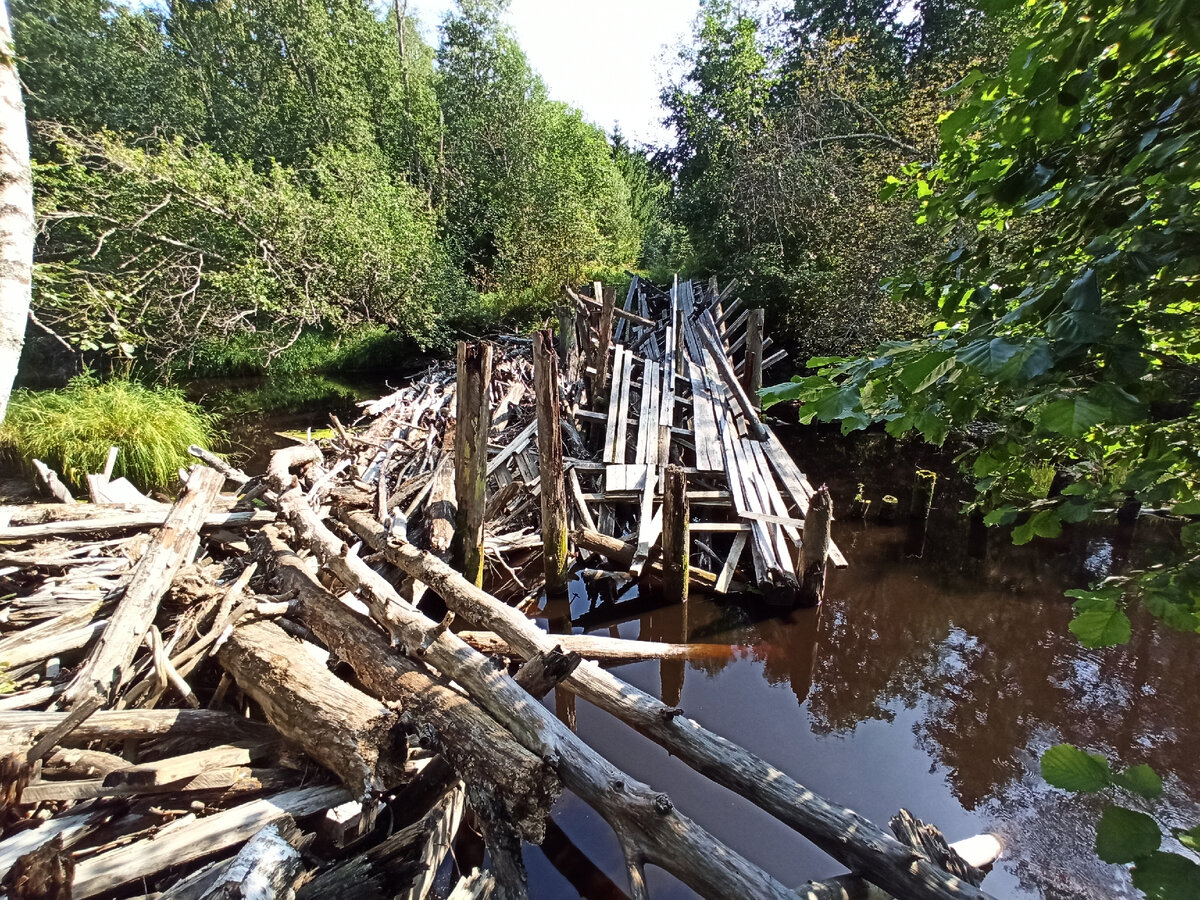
(930, 683)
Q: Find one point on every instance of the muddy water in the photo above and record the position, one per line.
(929, 683)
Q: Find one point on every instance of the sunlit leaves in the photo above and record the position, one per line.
(1141, 780)
(1066, 766)
(1099, 619)
(1072, 416)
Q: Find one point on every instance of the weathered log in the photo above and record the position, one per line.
(107, 667)
(350, 733)
(600, 360)
(184, 842)
(617, 551)
(476, 885)
(814, 551)
(550, 463)
(647, 824)
(479, 750)
(222, 782)
(472, 424)
(540, 674)
(188, 765)
(924, 483)
(44, 874)
(231, 473)
(676, 538)
(53, 484)
(265, 868)
(18, 729)
(753, 365)
(602, 647)
(133, 521)
(853, 840)
(888, 509)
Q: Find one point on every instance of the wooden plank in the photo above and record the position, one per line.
(796, 485)
(704, 422)
(731, 562)
(614, 405)
(519, 443)
(623, 409)
(721, 527)
(585, 514)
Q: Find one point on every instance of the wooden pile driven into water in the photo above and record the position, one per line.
(288, 688)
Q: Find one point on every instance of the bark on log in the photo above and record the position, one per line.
(51, 480)
(617, 551)
(550, 463)
(472, 424)
(350, 733)
(107, 666)
(265, 868)
(480, 751)
(851, 839)
(753, 368)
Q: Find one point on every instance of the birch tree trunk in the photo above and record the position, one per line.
(16, 214)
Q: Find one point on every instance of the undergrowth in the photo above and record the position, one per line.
(71, 429)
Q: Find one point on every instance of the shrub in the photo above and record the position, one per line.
(71, 429)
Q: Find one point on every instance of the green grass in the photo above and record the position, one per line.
(71, 429)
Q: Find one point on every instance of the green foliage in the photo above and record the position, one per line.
(1065, 307)
(71, 429)
(1125, 835)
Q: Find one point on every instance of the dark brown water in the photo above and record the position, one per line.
(932, 684)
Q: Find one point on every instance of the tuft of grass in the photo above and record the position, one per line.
(71, 429)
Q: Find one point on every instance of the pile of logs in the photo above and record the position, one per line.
(307, 682)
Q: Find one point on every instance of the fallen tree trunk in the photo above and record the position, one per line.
(647, 824)
(617, 551)
(350, 733)
(19, 729)
(851, 839)
(481, 752)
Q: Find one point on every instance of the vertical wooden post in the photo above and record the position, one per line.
(814, 552)
(924, 483)
(568, 344)
(676, 535)
(550, 464)
(752, 371)
(474, 421)
(608, 304)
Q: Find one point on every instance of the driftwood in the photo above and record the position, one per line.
(622, 554)
(353, 735)
(107, 667)
(600, 647)
(874, 853)
(113, 521)
(483, 754)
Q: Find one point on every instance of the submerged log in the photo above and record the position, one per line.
(814, 552)
(107, 667)
(676, 537)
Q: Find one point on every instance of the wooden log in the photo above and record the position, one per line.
(622, 554)
(568, 344)
(231, 473)
(601, 647)
(18, 729)
(43, 874)
(188, 765)
(550, 463)
(618, 312)
(441, 509)
(848, 837)
(107, 667)
(132, 521)
(266, 867)
(478, 749)
(53, 484)
(818, 525)
(753, 363)
(186, 841)
(924, 482)
(471, 429)
(860, 504)
(350, 733)
(646, 823)
(676, 537)
(888, 508)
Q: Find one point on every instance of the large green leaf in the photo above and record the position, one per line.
(989, 356)
(1124, 835)
(1102, 625)
(1066, 766)
(921, 373)
(1072, 416)
(1141, 780)
(1167, 876)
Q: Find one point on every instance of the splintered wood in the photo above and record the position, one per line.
(289, 686)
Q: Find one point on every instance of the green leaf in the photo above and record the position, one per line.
(989, 356)
(1005, 515)
(918, 375)
(1072, 511)
(1072, 416)
(1124, 835)
(1044, 523)
(1103, 625)
(1167, 876)
(1190, 838)
(1187, 508)
(1141, 780)
(1066, 766)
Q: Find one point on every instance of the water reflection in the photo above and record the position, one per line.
(970, 662)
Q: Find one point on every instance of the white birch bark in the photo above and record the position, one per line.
(16, 214)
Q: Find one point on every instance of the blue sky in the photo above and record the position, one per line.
(604, 57)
